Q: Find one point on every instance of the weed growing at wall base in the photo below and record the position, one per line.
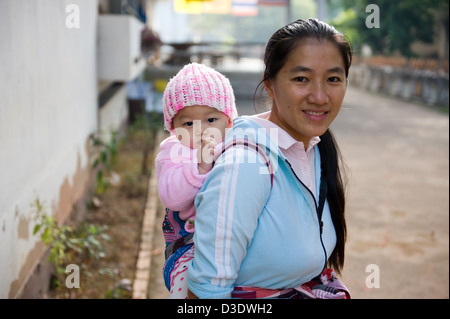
(104, 155)
(66, 243)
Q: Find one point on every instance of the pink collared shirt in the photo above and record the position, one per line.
(301, 160)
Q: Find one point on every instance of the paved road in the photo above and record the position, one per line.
(398, 207)
(397, 155)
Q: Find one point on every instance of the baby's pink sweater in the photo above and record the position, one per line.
(178, 176)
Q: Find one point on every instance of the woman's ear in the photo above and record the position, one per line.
(268, 88)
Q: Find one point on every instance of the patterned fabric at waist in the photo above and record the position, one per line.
(325, 286)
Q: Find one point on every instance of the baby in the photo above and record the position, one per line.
(199, 106)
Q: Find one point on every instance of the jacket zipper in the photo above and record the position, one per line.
(317, 213)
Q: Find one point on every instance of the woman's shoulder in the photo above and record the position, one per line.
(249, 128)
(245, 121)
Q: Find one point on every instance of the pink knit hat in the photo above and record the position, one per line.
(197, 84)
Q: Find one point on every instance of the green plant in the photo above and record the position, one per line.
(68, 244)
(145, 128)
(104, 155)
(121, 290)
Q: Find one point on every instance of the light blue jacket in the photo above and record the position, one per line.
(248, 233)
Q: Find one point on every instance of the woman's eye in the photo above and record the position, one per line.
(334, 79)
(300, 79)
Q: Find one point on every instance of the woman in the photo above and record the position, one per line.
(278, 226)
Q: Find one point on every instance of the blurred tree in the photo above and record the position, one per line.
(401, 23)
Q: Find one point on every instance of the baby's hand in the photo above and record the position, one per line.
(206, 152)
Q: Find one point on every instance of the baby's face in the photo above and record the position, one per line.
(190, 122)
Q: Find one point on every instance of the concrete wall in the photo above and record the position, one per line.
(119, 47)
(113, 114)
(424, 86)
(48, 109)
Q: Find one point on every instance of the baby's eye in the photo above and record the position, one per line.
(188, 123)
(212, 119)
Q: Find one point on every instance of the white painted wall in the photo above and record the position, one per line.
(119, 47)
(113, 114)
(48, 108)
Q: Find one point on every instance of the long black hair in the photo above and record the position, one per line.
(277, 50)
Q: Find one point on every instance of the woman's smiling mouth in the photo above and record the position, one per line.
(315, 115)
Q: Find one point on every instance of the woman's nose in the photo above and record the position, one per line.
(318, 94)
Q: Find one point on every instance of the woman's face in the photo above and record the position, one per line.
(308, 90)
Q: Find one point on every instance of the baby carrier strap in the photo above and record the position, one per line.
(249, 144)
(180, 242)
